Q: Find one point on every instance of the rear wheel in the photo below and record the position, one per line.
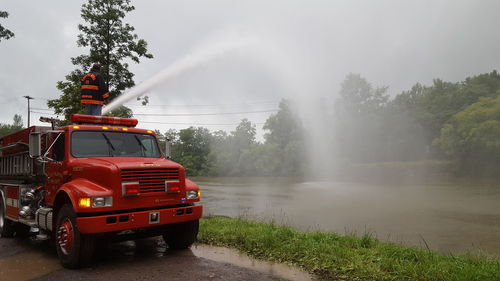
(7, 227)
(73, 248)
(181, 235)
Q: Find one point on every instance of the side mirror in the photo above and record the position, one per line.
(35, 148)
(168, 149)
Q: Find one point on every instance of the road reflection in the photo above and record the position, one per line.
(145, 259)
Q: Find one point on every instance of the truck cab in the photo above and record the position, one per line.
(98, 178)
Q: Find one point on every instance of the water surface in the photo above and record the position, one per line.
(447, 218)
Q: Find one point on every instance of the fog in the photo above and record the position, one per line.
(327, 90)
(390, 43)
(225, 56)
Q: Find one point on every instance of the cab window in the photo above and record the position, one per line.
(113, 144)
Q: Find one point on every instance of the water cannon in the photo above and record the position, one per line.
(103, 120)
(53, 121)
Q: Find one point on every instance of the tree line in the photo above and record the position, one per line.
(454, 121)
(7, 129)
(238, 153)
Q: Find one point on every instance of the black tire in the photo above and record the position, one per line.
(181, 235)
(78, 253)
(7, 227)
(22, 230)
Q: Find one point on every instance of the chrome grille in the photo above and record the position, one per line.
(150, 180)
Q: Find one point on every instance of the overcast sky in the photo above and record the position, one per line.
(392, 43)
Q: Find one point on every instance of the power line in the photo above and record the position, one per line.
(180, 114)
(169, 123)
(189, 105)
(199, 124)
(173, 114)
(204, 114)
(44, 113)
(174, 123)
(36, 108)
(45, 99)
(207, 105)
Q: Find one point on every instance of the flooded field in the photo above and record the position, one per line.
(447, 218)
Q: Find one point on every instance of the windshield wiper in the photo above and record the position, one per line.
(110, 145)
(140, 143)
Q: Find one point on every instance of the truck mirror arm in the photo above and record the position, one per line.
(45, 158)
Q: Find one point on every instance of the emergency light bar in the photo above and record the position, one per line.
(92, 119)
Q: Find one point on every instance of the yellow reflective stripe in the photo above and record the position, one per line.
(90, 87)
(91, 75)
(93, 102)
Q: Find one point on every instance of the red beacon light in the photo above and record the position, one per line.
(103, 120)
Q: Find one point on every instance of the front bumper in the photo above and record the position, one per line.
(141, 219)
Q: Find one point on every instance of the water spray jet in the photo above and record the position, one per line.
(198, 57)
(293, 76)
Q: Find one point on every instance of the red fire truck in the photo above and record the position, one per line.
(98, 179)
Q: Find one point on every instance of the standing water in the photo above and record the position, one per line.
(447, 218)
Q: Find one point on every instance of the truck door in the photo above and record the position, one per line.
(56, 165)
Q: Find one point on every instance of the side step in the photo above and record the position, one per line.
(42, 237)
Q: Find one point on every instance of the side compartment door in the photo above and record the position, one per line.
(11, 194)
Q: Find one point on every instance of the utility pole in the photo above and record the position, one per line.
(28, 98)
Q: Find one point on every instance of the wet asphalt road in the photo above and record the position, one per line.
(148, 259)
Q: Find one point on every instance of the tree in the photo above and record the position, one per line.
(18, 122)
(244, 135)
(241, 139)
(359, 120)
(4, 32)
(472, 137)
(284, 140)
(261, 160)
(192, 149)
(112, 43)
(434, 106)
(357, 96)
(220, 154)
(17, 125)
(405, 137)
(284, 126)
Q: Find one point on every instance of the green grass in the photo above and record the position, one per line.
(338, 257)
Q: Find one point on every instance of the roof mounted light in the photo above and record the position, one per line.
(103, 120)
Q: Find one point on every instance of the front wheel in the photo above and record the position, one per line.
(73, 248)
(181, 235)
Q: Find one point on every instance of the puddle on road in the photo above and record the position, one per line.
(36, 261)
(227, 255)
(27, 266)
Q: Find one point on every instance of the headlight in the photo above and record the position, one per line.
(192, 194)
(98, 202)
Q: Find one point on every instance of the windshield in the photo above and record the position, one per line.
(113, 144)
